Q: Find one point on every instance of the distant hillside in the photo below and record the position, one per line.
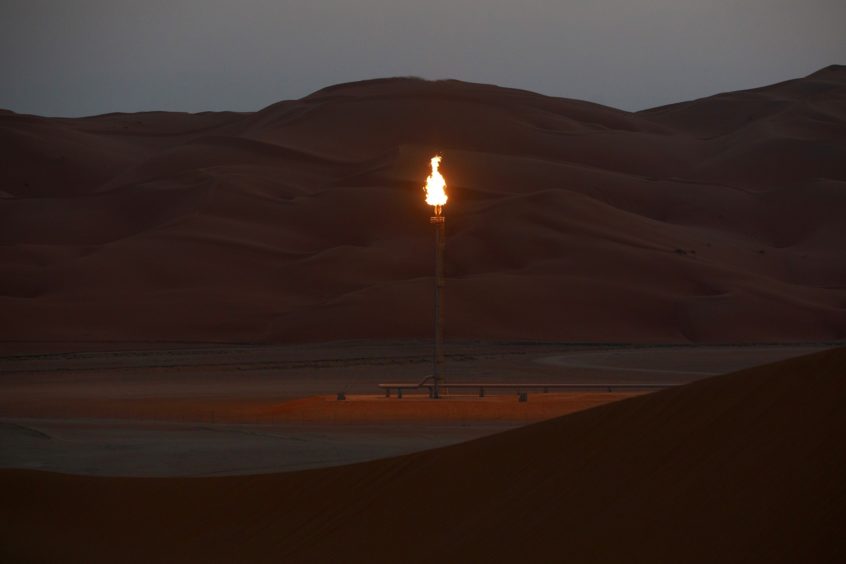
(720, 219)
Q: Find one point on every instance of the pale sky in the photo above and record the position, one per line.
(83, 57)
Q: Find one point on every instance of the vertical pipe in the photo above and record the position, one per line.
(438, 357)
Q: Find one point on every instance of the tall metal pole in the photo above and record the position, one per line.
(439, 223)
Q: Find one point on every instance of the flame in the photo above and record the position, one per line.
(435, 184)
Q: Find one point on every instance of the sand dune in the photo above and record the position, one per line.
(745, 467)
(713, 220)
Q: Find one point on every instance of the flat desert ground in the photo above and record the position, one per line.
(207, 410)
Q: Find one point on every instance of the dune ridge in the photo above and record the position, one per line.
(713, 220)
(744, 467)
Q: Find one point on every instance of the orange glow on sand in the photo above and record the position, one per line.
(435, 185)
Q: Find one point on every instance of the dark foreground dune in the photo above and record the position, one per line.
(746, 467)
(715, 220)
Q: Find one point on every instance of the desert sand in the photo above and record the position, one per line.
(715, 220)
(258, 409)
(267, 383)
(744, 467)
(182, 296)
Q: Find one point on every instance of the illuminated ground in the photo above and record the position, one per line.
(211, 410)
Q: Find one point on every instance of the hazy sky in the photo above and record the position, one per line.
(81, 57)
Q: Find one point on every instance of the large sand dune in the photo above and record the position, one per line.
(746, 467)
(714, 220)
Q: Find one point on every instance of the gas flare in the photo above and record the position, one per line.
(435, 184)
